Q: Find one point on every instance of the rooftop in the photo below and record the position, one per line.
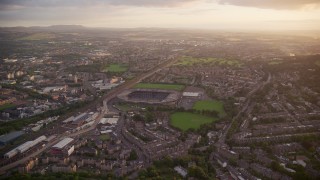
(63, 143)
(10, 136)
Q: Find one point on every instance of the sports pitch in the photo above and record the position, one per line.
(209, 105)
(187, 120)
(191, 61)
(116, 68)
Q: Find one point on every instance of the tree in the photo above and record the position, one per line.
(197, 172)
(133, 156)
(137, 117)
(149, 117)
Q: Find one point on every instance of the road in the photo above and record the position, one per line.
(112, 94)
(244, 108)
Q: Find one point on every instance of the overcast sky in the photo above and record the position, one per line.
(200, 14)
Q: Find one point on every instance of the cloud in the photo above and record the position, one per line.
(266, 4)
(20, 4)
(273, 4)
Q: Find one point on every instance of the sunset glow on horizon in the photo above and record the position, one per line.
(197, 14)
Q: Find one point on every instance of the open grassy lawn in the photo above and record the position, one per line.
(187, 120)
(38, 36)
(210, 106)
(176, 87)
(182, 80)
(6, 106)
(116, 68)
(275, 62)
(190, 61)
(104, 137)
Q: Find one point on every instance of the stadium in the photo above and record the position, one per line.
(150, 96)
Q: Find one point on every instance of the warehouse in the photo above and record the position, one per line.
(79, 120)
(24, 147)
(7, 138)
(70, 119)
(111, 121)
(62, 146)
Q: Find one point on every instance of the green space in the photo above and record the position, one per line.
(182, 80)
(275, 62)
(6, 106)
(38, 36)
(176, 87)
(104, 137)
(190, 61)
(187, 120)
(124, 107)
(91, 68)
(127, 107)
(116, 68)
(210, 105)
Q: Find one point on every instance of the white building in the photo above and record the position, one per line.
(180, 170)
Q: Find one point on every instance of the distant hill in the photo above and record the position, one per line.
(53, 28)
(65, 27)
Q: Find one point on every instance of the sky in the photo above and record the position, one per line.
(193, 14)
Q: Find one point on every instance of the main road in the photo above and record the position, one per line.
(110, 95)
(244, 108)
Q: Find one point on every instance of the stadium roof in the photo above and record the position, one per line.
(11, 136)
(190, 94)
(63, 143)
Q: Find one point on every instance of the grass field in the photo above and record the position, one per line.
(190, 61)
(187, 120)
(116, 68)
(210, 106)
(181, 80)
(176, 87)
(104, 137)
(38, 36)
(275, 62)
(6, 106)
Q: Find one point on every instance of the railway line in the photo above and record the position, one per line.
(112, 94)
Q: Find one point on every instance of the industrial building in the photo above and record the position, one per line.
(111, 121)
(24, 147)
(70, 119)
(7, 138)
(63, 147)
(79, 120)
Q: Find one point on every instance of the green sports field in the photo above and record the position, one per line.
(176, 87)
(116, 68)
(104, 137)
(209, 105)
(187, 120)
(6, 106)
(191, 61)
